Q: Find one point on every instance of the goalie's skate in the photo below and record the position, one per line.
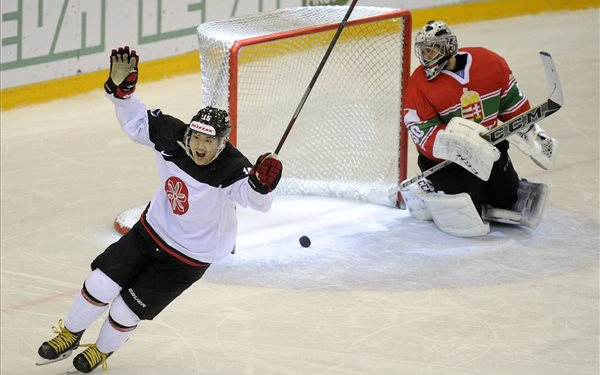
(88, 360)
(60, 347)
(528, 210)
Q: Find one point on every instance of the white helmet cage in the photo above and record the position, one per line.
(435, 44)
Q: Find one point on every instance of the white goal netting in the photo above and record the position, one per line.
(347, 139)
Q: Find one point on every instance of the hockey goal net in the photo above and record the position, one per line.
(348, 140)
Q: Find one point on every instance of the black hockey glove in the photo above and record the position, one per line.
(265, 174)
(123, 73)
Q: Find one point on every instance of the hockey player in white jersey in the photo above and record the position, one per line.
(189, 223)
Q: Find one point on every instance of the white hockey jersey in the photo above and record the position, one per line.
(192, 215)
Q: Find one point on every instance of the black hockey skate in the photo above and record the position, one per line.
(60, 347)
(89, 359)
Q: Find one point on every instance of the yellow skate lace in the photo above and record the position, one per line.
(93, 356)
(64, 339)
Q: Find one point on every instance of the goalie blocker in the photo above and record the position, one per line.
(455, 214)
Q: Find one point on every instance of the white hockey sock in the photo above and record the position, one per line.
(112, 337)
(83, 313)
(117, 328)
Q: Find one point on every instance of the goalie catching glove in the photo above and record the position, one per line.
(536, 144)
(265, 174)
(461, 143)
(123, 73)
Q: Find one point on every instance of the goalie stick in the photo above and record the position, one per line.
(503, 131)
(314, 78)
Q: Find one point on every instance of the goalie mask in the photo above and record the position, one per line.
(435, 44)
(206, 135)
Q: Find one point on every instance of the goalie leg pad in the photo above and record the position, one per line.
(455, 214)
(413, 197)
(528, 210)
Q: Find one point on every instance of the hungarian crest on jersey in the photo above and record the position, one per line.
(471, 106)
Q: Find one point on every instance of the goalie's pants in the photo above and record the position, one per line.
(499, 191)
(149, 274)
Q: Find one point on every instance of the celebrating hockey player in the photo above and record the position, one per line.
(453, 97)
(189, 223)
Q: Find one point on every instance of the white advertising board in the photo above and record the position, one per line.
(50, 39)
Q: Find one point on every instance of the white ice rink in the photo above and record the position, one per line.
(378, 293)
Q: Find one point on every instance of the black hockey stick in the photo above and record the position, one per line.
(315, 76)
(503, 131)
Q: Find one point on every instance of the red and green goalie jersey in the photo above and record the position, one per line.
(484, 92)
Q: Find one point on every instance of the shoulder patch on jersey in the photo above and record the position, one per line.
(155, 112)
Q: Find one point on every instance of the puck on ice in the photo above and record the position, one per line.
(304, 241)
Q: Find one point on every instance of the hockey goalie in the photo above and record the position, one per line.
(452, 98)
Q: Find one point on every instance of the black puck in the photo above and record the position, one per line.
(304, 241)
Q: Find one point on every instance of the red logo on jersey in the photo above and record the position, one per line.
(177, 193)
